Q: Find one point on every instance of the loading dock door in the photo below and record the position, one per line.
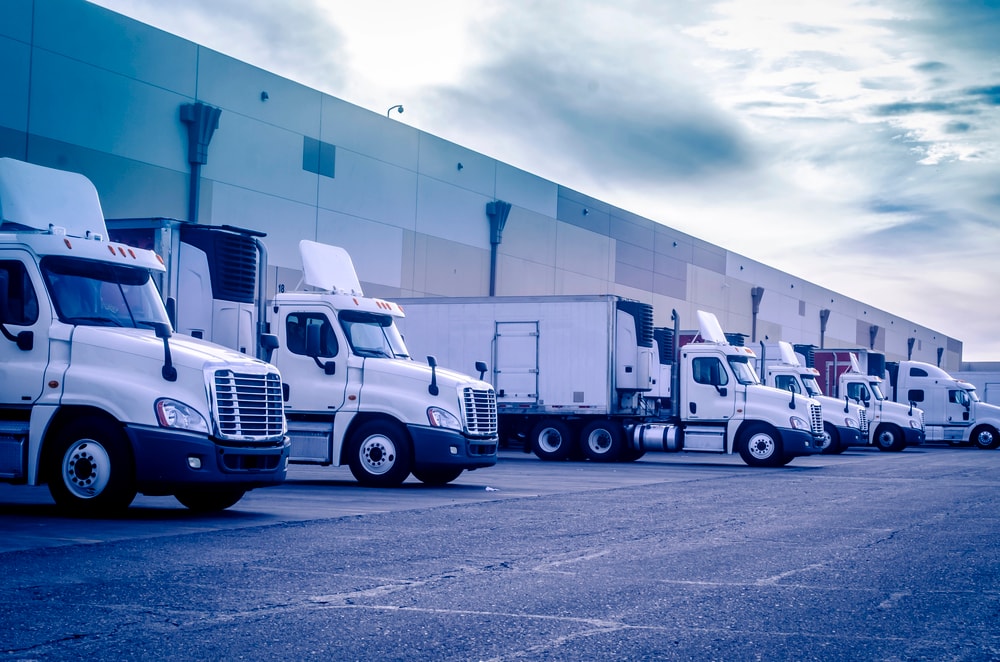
(516, 362)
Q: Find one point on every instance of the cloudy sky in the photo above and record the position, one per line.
(852, 143)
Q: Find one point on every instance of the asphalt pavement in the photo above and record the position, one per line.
(861, 556)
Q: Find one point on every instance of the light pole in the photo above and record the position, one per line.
(398, 108)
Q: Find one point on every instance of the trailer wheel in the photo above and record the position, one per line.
(985, 437)
(551, 440)
(437, 476)
(89, 469)
(602, 441)
(760, 446)
(831, 440)
(379, 454)
(889, 438)
(201, 501)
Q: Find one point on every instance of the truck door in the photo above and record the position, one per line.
(516, 362)
(312, 359)
(958, 407)
(710, 394)
(24, 323)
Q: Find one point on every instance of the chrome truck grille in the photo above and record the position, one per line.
(249, 406)
(816, 418)
(863, 422)
(480, 408)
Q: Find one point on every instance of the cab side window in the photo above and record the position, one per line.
(22, 302)
(787, 383)
(297, 328)
(709, 370)
(915, 395)
(857, 391)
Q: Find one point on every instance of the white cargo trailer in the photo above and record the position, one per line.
(590, 375)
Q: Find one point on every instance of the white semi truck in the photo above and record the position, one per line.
(98, 398)
(590, 376)
(953, 412)
(353, 395)
(858, 374)
(845, 423)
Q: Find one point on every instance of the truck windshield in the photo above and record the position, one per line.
(744, 372)
(92, 293)
(812, 387)
(373, 335)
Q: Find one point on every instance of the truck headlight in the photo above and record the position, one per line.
(851, 423)
(174, 414)
(441, 418)
(915, 424)
(798, 423)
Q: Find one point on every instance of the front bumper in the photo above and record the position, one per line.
(798, 442)
(163, 459)
(438, 447)
(914, 437)
(851, 437)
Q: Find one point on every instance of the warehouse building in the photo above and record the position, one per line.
(165, 127)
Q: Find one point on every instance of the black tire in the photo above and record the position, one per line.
(760, 446)
(203, 501)
(831, 440)
(629, 454)
(441, 476)
(551, 440)
(379, 454)
(889, 438)
(89, 468)
(602, 441)
(985, 437)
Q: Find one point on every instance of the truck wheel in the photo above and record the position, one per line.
(437, 476)
(90, 470)
(629, 454)
(602, 441)
(760, 446)
(201, 501)
(889, 437)
(985, 437)
(379, 454)
(551, 440)
(831, 440)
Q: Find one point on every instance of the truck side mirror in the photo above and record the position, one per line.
(268, 343)
(723, 391)
(312, 349)
(25, 339)
(169, 372)
(481, 367)
(432, 388)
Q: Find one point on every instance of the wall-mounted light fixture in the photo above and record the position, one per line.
(398, 108)
(460, 166)
(585, 211)
(264, 96)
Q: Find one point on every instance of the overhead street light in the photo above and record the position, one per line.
(398, 108)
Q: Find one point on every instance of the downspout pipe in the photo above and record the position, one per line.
(824, 317)
(497, 211)
(756, 294)
(202, 120)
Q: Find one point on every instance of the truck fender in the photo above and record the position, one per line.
(344, 426)
(39, 425)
